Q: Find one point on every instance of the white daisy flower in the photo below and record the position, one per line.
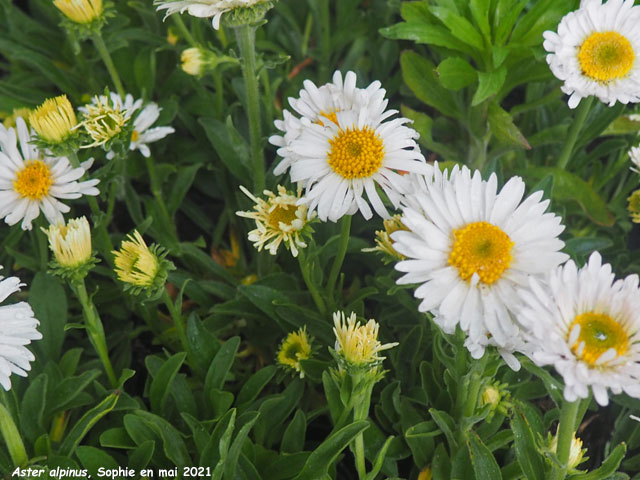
(596, 52)
(586, 325)
(470, 247)
(142, 134)
(31, 180)
(17, 329)
(205, 8)
(634, 155)
(320, 105)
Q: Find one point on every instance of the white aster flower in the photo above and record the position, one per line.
(17, 329)
(205, 8)
(634, 155)
(142, 134)
(470, 248)
(596, 52)
(31, 180)
(320, 105)
(349, 153)
(586, 325)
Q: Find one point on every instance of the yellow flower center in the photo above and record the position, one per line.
(356, 153)
(481, 248)
(333, 116)
(34, 180)
(282, 213)
(135, 136)
(605, 56)
(598, 333)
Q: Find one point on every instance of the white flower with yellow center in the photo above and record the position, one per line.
(358, 344)
(142, 133)
(339, 161)
(586, 325)
(17, 329)
(320, 105)
(31, 181)
(205, 8)
(279, 220)
(470, 247)
(596, 52)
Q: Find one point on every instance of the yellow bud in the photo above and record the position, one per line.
(70, 243)
(54, 120)
(135, 263)
(80, 11)
(634, 206)
(294, 348)
(425, 474)
(193, 61)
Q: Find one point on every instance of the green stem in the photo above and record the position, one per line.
(345, 230)
(566, 429)
(177, 19)
(12, 438)
(574, 131)
(98, 41)
(306, 275)
(176, 316)
(156, 190)
(94, 328)
(43, 243)
(245, 36)
(325, 39)
(474, 385)
(361, 412)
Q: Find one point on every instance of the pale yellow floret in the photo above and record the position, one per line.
(54, 120)
(425, 474)
(103, 121)
(135, 263)
(482, 249)
(383, 240)
(606, 56)
(193, 61)
(634, 206)
(80, 11)
(279, 220)
(576, 453)
(358, 344)
(9, 121)
(294, 348)
(70, 243)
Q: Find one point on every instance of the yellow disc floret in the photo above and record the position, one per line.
(599, 333)
(294, 348)
(54, 120)
(330, 115)
(606, 56)
(483, 249)
(358, 344)
(103, 121)
(34, 180)
(135, 263)
(80, 11)
(356, 152)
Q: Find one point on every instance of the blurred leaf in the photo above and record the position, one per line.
(489, 84)
(456, 73)
(255, 384)
(49, 302)
(484, 464)
(419, 75)
(93, 458)
(459, 26)
(221, 364)
(502, 126)
(294, 435)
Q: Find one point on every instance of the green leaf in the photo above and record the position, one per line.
(502, 126)
(173, 445)
(221, 364)
(85, 423)
(49, 302)
(255, 384)
(426, 33)
(163, 380)
(489, 84)
(379, 460)
(293, 437)
(423, 124)
(546, 186)
(325, 454)
(32, 408)
(568, 186)
(480, 13)
(586, 245)
(608, 467)
(525, 446)
(459, 26)
(231, 459)
(419, 74)
(141, 456)
(93, 458)
(504, 18)
(440, 463)
(144, 68)
(181, 185)
(234, 153)
(446, 424)
(456, 73)
(116, 438)
(216, 450)
(484, 464)
(69, 390)
(622, 126)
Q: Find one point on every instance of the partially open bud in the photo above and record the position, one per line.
(80, 11)
(54, 120)
(71, 247)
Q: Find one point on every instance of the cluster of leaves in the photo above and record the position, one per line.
(479, 92)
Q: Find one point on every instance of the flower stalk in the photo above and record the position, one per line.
(98, 41)
(566, 430)
(345, 231)
(245, 36)
(305, 267)
(94, 327)
(574, 131)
